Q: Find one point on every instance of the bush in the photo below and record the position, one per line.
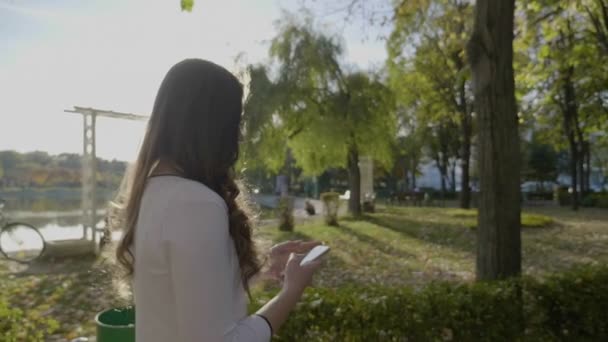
(564, 198)
(599, 200)
(588, 201)
(527, 220)
(602, 200)
(285, 211)
(331, 204)
(539, 195)
(571, 307)
(535, 220)
(15, 325)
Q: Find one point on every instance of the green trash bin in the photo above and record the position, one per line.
(116, 325)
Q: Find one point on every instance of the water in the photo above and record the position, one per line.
(60, 218)
(56, 219)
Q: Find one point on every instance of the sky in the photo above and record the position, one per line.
(113, 54)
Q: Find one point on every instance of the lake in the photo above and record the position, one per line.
(59, 217)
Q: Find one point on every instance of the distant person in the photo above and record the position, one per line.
(188, 244)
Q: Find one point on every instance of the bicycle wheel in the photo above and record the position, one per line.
(21, 242)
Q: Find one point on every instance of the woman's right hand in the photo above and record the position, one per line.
(297, 277)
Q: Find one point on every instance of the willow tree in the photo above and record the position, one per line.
(326, 116)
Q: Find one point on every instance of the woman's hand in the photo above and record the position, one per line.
(298, 277)
(279, 254)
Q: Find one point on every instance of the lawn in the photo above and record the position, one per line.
(394, 247)
(413, 245)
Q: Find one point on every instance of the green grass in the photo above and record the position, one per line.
(395, 247)
(406, 245)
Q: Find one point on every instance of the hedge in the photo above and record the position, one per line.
(17, 325)
(569, 307)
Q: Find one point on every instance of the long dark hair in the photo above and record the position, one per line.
(195, 125)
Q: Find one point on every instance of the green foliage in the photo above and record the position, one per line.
(331, 205)
(556, 51)
(569, 306)
(41, 170)
(16, 325)
(599, 200)
(187, 5)
(541, 162)
(314, 107)
(430, 77)
(535, 221)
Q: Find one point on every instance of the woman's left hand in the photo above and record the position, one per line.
(279, 254)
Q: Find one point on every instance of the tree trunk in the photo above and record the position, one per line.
(443, 177)
(570, 114)
(453, 178)
(587, 158)
(443, 172)
(414, 168)
(466, 127)
(490, 52)
(581, 170)
(354, 180)
(573, 168)
(465, 194)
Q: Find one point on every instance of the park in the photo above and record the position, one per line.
(462, 184)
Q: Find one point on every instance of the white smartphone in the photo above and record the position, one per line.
(314, 254)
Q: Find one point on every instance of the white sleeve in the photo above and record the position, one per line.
(196, 232)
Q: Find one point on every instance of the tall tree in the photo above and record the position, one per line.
(490, 53)
(327, 116)
(555, 35)
(429, 39)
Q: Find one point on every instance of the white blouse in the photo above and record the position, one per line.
(187, 282)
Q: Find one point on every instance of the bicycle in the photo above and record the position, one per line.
(20, 242)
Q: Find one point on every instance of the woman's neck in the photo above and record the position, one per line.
(164, 167)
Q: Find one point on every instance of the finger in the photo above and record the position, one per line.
(307, 246)
(296, 258)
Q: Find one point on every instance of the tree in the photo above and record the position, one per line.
(597, 11)
(541, 163)
(490, 54)
(555, 35)
(327, 116)
(437, 32)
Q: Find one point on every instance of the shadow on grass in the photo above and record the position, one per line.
(444, 234)
(375, 243)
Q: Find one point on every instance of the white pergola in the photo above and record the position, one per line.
(89, 165)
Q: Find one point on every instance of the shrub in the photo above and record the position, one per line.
(539, 195)
(601, 200)
(569, 307)
(331, 204)
(527, 220)
(589, 200)
(15, 325)
(285, 211)
(564, 198)
(535, 220)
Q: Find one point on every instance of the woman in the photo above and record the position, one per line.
(188, 243)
